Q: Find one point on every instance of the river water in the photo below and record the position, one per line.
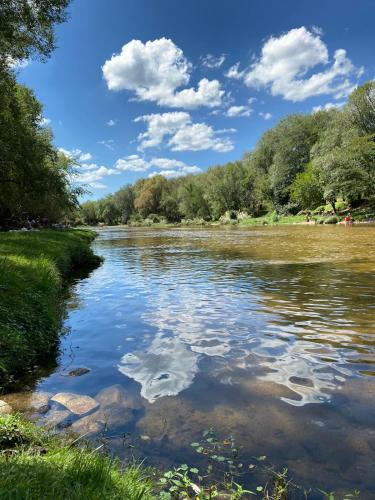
(265, 334)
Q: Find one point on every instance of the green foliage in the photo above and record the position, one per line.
(331, 220)
(32, 266)
(300, 163)
(362, 108)
(27, 28)
(34, 177)
(36, 465)
(306, 190)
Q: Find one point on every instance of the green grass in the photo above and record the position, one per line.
(35, 465)
(33, 266)
(272, 219)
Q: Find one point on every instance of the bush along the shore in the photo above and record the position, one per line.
(33, 267)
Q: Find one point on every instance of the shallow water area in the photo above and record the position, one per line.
(266, 334)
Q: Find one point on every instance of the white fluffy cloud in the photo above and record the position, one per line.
(111, 123)
(265, 116)
(184, 135)
(210, 61)
(132, 163)
(168, 167)
(234, 111)
(76, 154)
(233, 72)
(44, 122)
(176, 173)
(197, 137)
(286, 63)
(154, 71)
(159, 126)
(328, 106)
(92, 174)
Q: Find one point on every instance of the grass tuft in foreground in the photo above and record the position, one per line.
(33, 266)
(36, 465)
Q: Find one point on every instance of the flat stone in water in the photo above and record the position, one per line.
(27, 401)
(117, 395)
(77, 372)
(76, 403)
(110, 417)
(55, 417)
(5, 408)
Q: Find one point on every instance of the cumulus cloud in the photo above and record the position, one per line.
(132, 163)
(176, 173)
(89, 175)
(197, 137)
(44, 122)
(160, 125)
(184, 135)
(154, 71)
(328, 106)
(236, 111)
(233, 72)
(168, 167)
(265, 116)
(286, 62)
(210, 61)
(76, 154)
(17, 64)
(111, 123)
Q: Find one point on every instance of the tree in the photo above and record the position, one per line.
(34, 177)
(148, 195)
(362, 108)
(306, 189)
(349, 171)
(124, 202)
(27, 28)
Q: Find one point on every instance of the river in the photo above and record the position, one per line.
(265, 334)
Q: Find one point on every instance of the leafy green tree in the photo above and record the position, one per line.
(192, 202)
(89, 212)
(149, 194)
(362, 108)
(306, 189)
(124, 202)
(34, 177)
(27, 28)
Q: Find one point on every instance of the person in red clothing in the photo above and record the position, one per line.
(348, 220)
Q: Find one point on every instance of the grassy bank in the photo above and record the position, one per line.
(35, 465)
(33, 266)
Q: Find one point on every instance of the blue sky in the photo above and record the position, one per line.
(139, 87)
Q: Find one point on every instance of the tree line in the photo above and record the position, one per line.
(35, 179)
(301, 163)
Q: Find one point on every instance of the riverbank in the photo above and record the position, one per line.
(35, 464)
(33, 268)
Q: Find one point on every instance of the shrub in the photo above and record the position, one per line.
(331, 220)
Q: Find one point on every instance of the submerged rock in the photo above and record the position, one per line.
(76, 403)
(118, 396)
(77, 372)
(55, 417)
(28, 401)
(110, 417)
(5, 408)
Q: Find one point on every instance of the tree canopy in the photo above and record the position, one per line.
(302, 162)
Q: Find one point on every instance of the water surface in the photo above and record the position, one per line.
(267, 334)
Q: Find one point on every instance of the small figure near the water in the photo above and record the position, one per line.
(348, 220)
